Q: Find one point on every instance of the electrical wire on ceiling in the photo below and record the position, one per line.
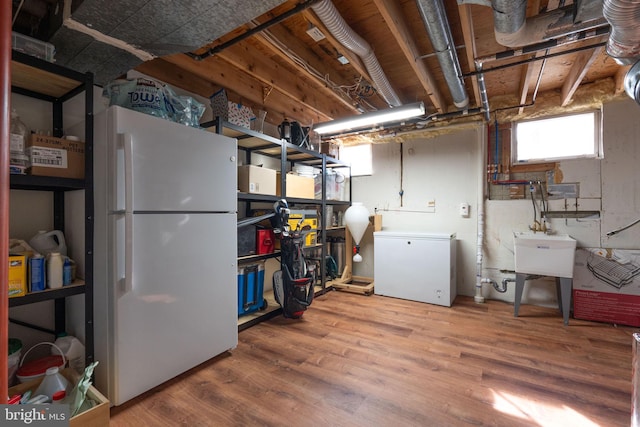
(350, 93)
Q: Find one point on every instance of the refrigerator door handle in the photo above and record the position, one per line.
(128, 172)
(125, 184)
(128, 252)
(122, 225)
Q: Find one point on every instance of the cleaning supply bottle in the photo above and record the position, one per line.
(46, 242)
(66, 272)
(54, 270)
(73, 351)
(53, 381)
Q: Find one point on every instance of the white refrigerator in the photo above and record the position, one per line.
(165, 291)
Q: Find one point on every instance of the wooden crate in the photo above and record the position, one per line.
(98, 416)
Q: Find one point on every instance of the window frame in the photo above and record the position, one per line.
(370, 171)
(597, 144)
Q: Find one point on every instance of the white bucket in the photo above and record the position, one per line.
(13, 360)
(40, 366)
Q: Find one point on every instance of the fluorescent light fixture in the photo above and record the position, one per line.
(373, 118)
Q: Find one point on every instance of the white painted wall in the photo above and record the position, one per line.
(446, 170)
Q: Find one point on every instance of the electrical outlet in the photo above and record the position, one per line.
(464, 210)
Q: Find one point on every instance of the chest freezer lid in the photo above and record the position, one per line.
(415, 235)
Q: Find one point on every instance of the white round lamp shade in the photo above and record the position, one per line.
(356, 219)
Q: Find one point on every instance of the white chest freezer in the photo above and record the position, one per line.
(416, 266)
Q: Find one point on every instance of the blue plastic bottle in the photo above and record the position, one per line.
(66, 272)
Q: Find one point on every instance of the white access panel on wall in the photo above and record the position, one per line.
(416, 266)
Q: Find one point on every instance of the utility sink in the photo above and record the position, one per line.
(544, 254)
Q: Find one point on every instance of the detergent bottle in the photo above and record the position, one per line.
(46, 242)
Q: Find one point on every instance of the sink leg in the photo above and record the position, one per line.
(519, 290)
(566, 284)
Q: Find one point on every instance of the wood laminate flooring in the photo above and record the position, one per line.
(356, 360)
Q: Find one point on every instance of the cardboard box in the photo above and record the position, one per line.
(329, 148)
(256, 180)
(50, 156)
(17, 275)
(606, 286)
(297, 186)
(98, 416)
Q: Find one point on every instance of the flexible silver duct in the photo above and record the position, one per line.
(331, 18)
(435, 20)
(624, 41)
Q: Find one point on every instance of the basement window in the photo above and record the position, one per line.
(360, 158)
(557, 138)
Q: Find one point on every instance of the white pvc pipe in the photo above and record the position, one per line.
(478, 298)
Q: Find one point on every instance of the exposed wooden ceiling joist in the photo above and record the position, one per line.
(393, 17)
(297, 48)
(309, 93)
(466, 22)
(224, 74)
(580, 67)
(525, 82)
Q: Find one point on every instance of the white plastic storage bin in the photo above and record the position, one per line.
(33, 47)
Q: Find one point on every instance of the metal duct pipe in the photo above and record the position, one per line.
(435, 20)
(482, 87)
(508, 16)
(624, 41)
(513, 29)
(331, 18)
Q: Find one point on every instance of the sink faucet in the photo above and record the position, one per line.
(536, 226)
(540, 227)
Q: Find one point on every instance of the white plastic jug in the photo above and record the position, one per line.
(46, 242)
(73, 351)
(53, 381)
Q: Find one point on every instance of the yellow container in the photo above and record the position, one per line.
(17, 275)
(300, 218)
